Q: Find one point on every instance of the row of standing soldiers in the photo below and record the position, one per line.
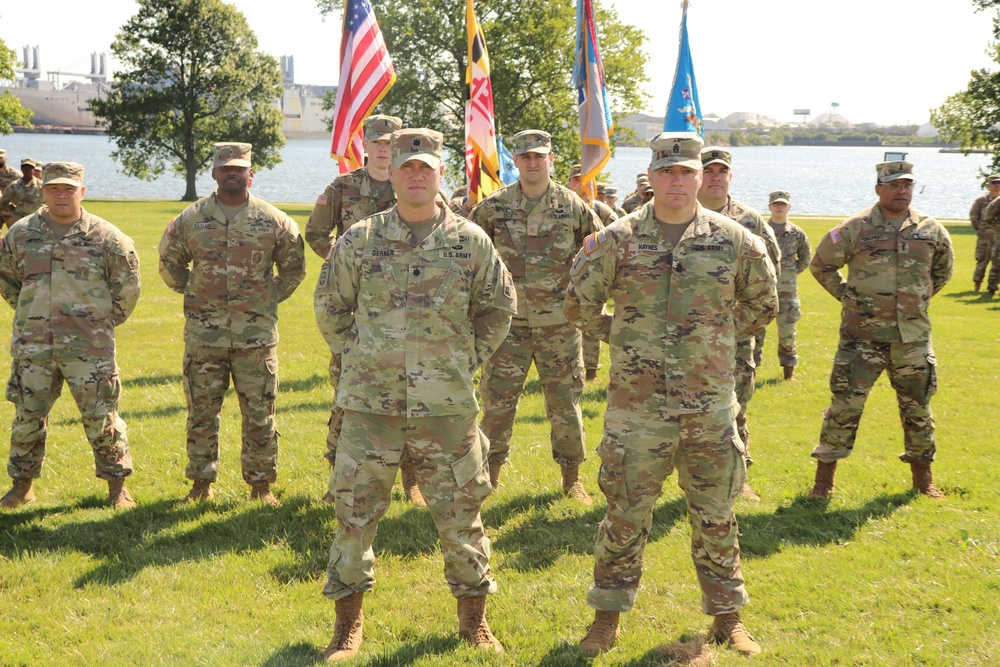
(412, 299)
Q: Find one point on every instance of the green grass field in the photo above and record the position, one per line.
(876, 577)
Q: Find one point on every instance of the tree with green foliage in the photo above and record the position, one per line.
(11, 111)
(972, 117)
(531, 48)
(190, 75)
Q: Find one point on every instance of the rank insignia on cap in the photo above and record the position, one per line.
(590, 244)
(415, 145)
(835, 235)
(321, 200)
(677, 147)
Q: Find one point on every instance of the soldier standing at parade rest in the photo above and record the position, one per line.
(714, 195)
(985, 221)
(795, 256)
(7, 173)
(221, 253)
(71, 278)
(685, 281)
(537, 226)
(22, 197)
(414, 299)
(349, 199)
(897, 258)
(607, 215)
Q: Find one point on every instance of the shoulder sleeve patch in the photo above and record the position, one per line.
(835, 235)
(172, 227)
(321, 200)
(592, 242)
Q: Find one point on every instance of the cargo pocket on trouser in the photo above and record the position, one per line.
(270, 388)
(611, 477)
(932, 383)
(111, 453)
(472, 477)
(15, 392)
(794, 310)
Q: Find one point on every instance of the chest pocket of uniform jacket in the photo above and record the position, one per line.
(640, 271)
(84, 259)
(37, 261)
(446, 297)
(919, 249)
(379, 290)
(878, 248)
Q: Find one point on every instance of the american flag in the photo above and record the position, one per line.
(366, 74)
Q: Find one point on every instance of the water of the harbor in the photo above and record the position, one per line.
(830, 181)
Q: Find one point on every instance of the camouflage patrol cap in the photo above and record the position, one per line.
(602, 189)
(993, 178)
(417, 144)
(69, 173)
(231, 154)
(713, 154)
(531, 141)
(3, 152)
(675, 149)
(639, 177)
(380, 128)
(648, 189)
(782, 196)
(894, 171)
(575, 171)
(610, 191)
(640, 181)
(28, 161)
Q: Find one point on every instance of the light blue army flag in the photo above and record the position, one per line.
(596, 125)
(509, 173)
(683, 109)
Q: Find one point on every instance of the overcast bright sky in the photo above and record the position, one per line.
(883, 61)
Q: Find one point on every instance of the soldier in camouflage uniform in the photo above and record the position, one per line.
(795, 256)
(607, 215)
(986, 227)
(537, 226)
(714, 195)
(71, 278)
(414, 299)
(7, 173)
(609, 195)
(897, 258)
(221, 253)
(460, 203)
(349, 199)
(643, 193)
(685, 281)
(22, 197)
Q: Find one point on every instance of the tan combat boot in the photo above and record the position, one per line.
(472, 625)
(347, 629)
(602, 634)
(728, 630)
(20, 494)
(823, 486)
(410, 488)
(119, 495)
(495, 474)
(922, 481)
(789, 372)
(978, 286)
(200, 491)
(748, 492)
(262, 491)
(573, 487)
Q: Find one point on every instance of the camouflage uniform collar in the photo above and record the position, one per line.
(396, 230)
(367, 187)
(214, 208)
(548, 199)
(648, 225)
(880, 219)
(40, 222)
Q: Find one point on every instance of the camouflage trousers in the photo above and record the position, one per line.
(33, 388)
(994, 259)
(591, 353)
(638, 452)
(449, 458)
(789, 312)
(745, 375)
(858, 364)
(985, 243)
(557, 355)
(206, 378)
(336, 420)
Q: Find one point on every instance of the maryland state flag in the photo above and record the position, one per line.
(683, 109)
(596, 125)
(482, 163)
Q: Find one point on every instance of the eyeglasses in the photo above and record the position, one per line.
(994, 182)
(899, 185)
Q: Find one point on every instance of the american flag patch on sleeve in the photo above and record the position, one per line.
(590, 244)
(321, 200)
(171, 227)
(835, 235)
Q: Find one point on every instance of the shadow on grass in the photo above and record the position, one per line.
(412, 652)
(970, 296)
(690, 650)
(306, 384)
(154, 534)
(807, 523)
(544, 534)
(152, 381)
(295, 655)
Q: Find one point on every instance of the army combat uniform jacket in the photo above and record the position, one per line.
(68, 293)
(226, 271)
(978, 215)
(891, 275)
(20, 200)
(537, 247)
(678, 309)
(795, 255)
(7, 176)
(349, 199)
(413, 323)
